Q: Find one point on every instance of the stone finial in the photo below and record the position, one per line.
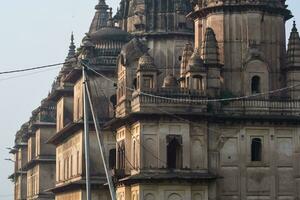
(293, 53)
(72, 48)
(210, 48)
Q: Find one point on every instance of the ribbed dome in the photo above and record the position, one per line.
(170, 81)
(294, 48)
(111, 34)
(195, 62)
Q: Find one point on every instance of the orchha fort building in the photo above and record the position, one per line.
(195, 99)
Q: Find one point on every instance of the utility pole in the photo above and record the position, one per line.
(86, 136)
(101, 144)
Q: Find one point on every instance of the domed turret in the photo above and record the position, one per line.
(170, 81)
(146, 62)
(195, 62)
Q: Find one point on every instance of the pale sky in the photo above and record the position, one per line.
(34, 33)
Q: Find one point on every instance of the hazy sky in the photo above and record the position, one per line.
(33, 33)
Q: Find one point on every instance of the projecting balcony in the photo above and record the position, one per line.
(182, 101)
(169, 100)
(261, 107)
(45, 114)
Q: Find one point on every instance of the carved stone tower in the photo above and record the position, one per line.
(251, 40)
(162, 24)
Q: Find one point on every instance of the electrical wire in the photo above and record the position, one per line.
(33, 68)
(198, 101)
(107, 99)
(143, 146)
(29, 74)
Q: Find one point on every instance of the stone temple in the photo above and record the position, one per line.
(196, 100)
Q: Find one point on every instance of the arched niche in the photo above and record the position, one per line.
(255, 77)
(149, 196)
(174, 196)
(197, 154)
(197, 196)
(150, 151)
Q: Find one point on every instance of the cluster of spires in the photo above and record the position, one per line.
(191, 58)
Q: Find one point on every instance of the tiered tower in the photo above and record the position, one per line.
(251, 39)
(162, 25)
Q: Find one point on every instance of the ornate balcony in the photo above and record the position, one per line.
(165, 99)
(262, 107)
(183, 101)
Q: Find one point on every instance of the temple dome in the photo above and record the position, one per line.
(146, 62)
(195, 62)
(111, 34)
(170, 81)
(146, 59)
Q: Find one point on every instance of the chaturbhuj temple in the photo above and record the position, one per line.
(196, 100)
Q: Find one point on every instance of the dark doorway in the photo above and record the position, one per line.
(174, 152)
(256, 149)
(112, 159)
(255, 85)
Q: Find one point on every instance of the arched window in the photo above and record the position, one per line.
(112, 158)
(174, 152)
(255, 85)
(121, 155)
(148, 82)
(134, 154)
(256, 149)
(134, 83)
(198, 83)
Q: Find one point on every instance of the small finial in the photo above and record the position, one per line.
(72, 48)
(110, 22)
(294, 29)
(72, 37)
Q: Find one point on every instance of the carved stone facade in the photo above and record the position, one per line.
(163, 27)
(182, 119)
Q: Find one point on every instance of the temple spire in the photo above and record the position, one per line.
(110, 21)
(294, 48)
(210, 47)
(72, 48)
(101, 16)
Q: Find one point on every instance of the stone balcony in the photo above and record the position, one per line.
(261, 107)
(45, 114)
(175, 99)
(182, 101)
